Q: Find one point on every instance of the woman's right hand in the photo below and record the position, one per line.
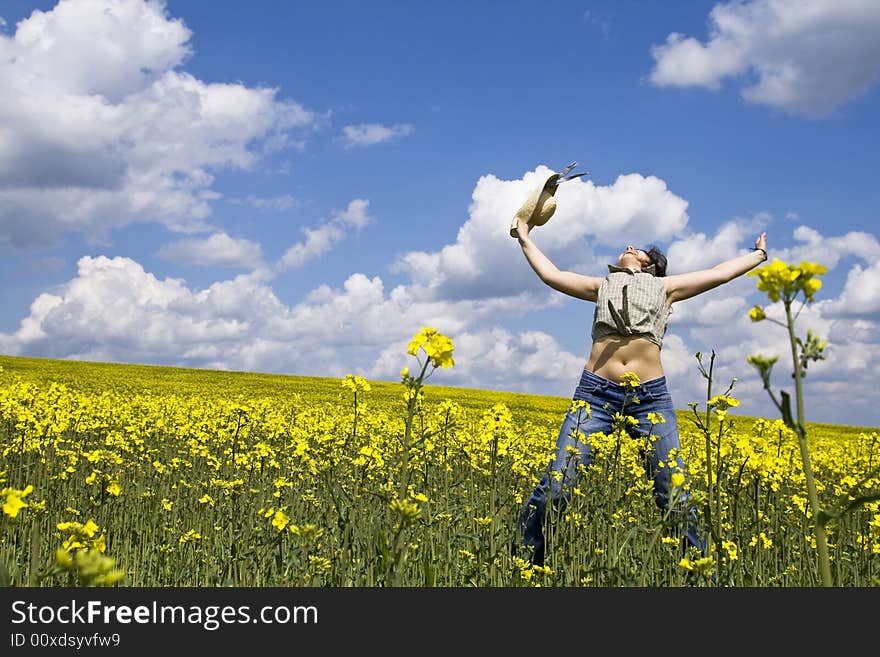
(522, 228)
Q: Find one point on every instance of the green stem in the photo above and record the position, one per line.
(395, 556)
(354, 429)
(708, 433)
(818, 526)
(407, 435)
(717, 534)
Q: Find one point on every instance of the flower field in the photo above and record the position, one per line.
(151, 476)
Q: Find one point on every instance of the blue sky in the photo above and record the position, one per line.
(298, 187)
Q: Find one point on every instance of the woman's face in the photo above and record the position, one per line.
(633, 258)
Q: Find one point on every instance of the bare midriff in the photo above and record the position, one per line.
(611, 356)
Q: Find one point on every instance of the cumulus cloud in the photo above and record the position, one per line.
(806, 57)
(698, 251)
(828, 250)
(115, 310)
(324, 237)
(861, 294)
(218, 250)
(100, 127)
(492, 357)
(369, 134)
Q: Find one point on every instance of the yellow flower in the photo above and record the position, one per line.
(81, 536)
(90, 528)
(91, 567)
(677, 479)
(100, 543)
(355, 383)
(409, 511)
(722, 402)
(780, 280)
(62, 559)
(630, 380)
(319, 565)
(15, 500)
(704, 566)
(191, 535)
(166, 503)
(731, 549)
(623, 420)
(114, 488)
(308, 532)
(280, 520)
(436, 346)
(761, 540)
(756, 314)
(656, 418)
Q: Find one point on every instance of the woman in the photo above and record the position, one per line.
(633, 303)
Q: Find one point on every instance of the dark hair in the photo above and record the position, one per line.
(658, 259)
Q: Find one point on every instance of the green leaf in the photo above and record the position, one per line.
(786, 411)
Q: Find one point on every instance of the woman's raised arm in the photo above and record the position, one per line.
(685, 286)
(575, 285)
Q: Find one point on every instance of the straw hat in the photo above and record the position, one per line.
(539, 206)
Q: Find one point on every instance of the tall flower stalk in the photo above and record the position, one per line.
(787, 283)
(715, 405)
(437, 350)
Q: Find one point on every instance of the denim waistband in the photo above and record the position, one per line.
(590, 380)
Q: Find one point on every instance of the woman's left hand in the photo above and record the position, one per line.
(761, 242)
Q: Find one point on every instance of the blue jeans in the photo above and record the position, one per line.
(598, 391)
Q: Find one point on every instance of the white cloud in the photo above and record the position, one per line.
(323, 238)
(275, 203)
(369, 134)
(861, 294)
(829, 250)
(806, 57)
(218, 249)
(697, 251)
(493, 357)
(100, 128)
(318, 241)
(114, 310)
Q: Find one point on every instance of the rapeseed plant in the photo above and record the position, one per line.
(167, 438)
